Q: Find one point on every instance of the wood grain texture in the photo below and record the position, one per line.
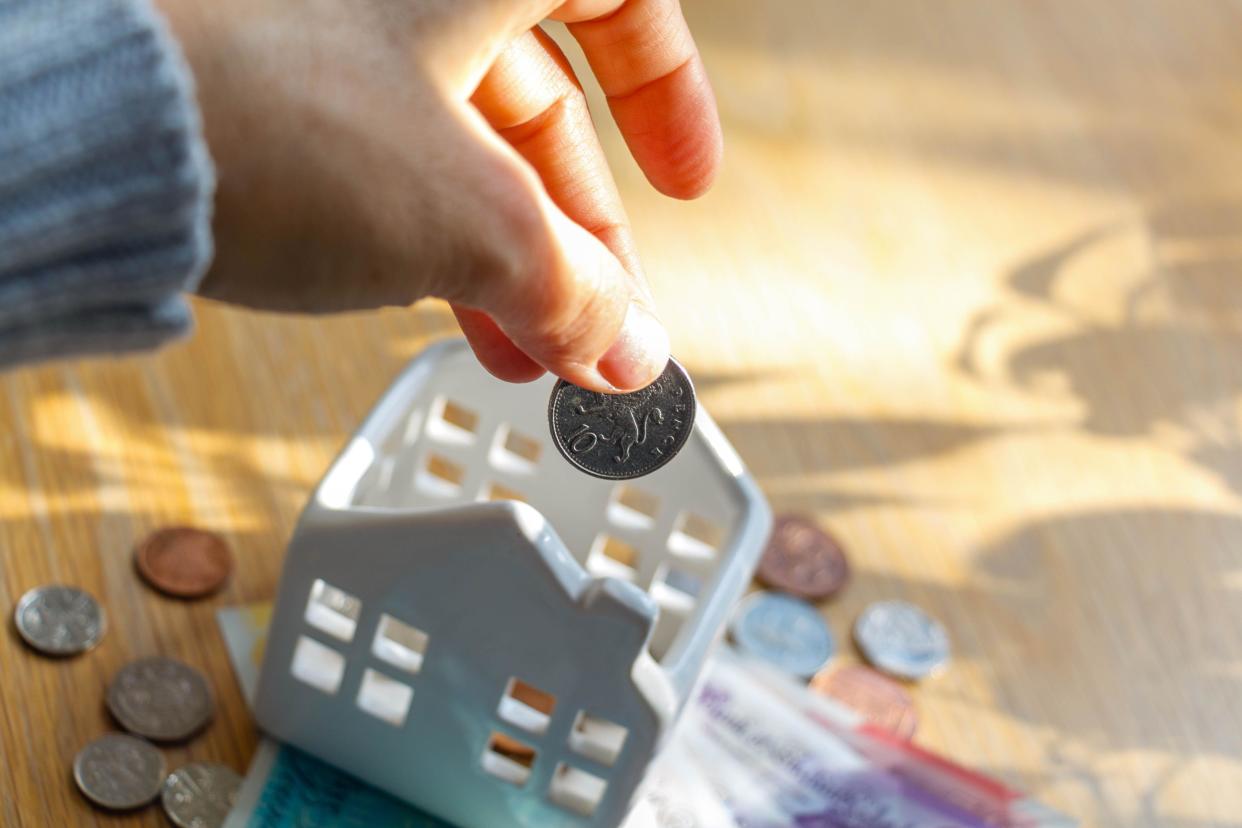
(968, 292)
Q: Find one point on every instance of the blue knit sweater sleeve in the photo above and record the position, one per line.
(105, 181)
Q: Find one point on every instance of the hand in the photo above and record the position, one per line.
(374, 152)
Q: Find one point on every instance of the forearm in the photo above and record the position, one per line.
(105, 183)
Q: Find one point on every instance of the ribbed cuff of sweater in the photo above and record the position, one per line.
(105, 180)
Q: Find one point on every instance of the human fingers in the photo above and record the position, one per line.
(647, 63)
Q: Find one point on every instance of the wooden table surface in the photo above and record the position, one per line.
(968, 292)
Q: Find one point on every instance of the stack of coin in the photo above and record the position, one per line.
(809, 564)
(156, 699)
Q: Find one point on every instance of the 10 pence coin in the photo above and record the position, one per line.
(200, 795)
(803, 560)
(784, 631)
(901, 640)
(161, 699)
(183, 561)
(59, 620)
(622, 436)
(119, 772)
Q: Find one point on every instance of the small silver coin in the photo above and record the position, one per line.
(200, 795)
(622, 436)
(902, 640)
(59, 620)
(161, 699)
(784, 631)
(119, 772)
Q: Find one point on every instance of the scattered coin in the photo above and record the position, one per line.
(881, 701)
(902, 640)
(784, 631)
(803, 560)
(119, 772)
(621, 436)
(200, 795)
(161, 699)
(184, 562)
(59, 620)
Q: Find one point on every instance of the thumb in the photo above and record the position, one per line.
(565, 302)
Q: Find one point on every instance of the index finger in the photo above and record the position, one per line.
(650, 70)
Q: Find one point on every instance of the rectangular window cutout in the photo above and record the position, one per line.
(319, 666)
(452, 422)
(676, 588)
(597, 738)
(695, 536)
(498, 491)
(384, 698)
(526, 706)
(332, 610)
(613, 558)
(514, 452)
(633, 507)
(441, 476)
(508, 759)
(400, 644)
(576, 790)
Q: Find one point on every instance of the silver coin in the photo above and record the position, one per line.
(622, 436)
(59, 620)
(200, 795)
(160, 698)
(784, 631)
(902, 640)
(119, 772)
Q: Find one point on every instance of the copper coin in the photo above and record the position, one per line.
(183, 561)
(878, 699)
(803, 560)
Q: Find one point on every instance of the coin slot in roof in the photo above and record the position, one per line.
(400, 644)
(610, 557)
(499, 491)
(576, 790)
(440, 476)
(332, 610)
(695, 536)
(317, 665)
(508, 759)
(597, 738)
(633, 507)
(515, 452)
(526, 706)
(384, 697)
(452, 422)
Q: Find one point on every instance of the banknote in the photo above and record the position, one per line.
(753, 750)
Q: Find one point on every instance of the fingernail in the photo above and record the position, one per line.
(639, 353)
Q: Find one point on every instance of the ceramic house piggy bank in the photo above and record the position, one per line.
(473, 625)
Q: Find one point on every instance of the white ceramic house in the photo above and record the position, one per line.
(470, 623)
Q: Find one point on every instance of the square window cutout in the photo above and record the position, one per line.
(526, 706)
(452, 422)
(399, 644)
(508, 759)
(440, 476)
(597, 738)
(384, 698)
(676, 588)
(332, 610)
(695, 536)
(515, 452)
(632, 507)
(576, 790)
(614, 558)
(498, 491)
(319, 666)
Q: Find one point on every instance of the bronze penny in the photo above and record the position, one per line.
(803, 560)
(878, 699)
(184, 562)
